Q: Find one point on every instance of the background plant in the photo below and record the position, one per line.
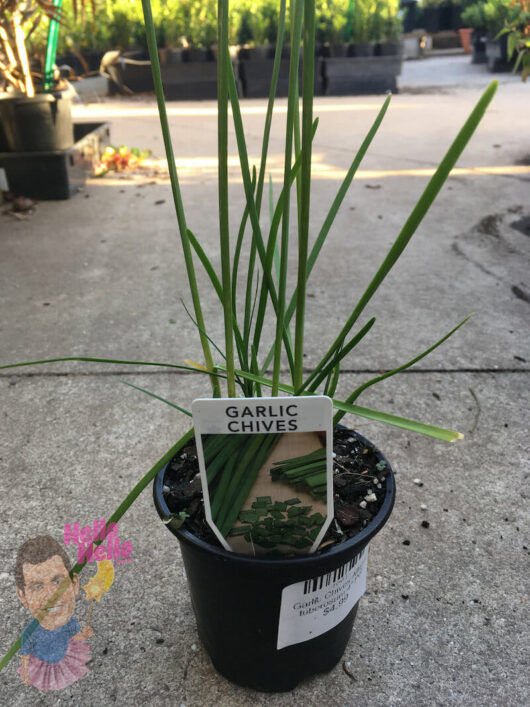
(18, 21)
(118, 24)
(375, 21)
(498, 14)
(389, 25)
(254, 22)
(517, 29)
(333, 20)
(473, 16)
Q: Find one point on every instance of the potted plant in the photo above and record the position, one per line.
(254, 32)
(357, 29)
(189, 67)
(195, 76)
(517, 35)
(389, 28)
(465, 38)
(473, 16)
(439, 16)
(84, 38)
(186, 37)
(43, 154)
(364, 21)
(497, 15)
(32, 119)
(119, 30)
(249, 583)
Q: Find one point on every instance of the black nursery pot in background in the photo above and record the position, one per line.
(42, 123)
(237, 602)
(478, 47)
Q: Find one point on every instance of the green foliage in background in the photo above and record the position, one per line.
(254, 22)
(118, 24)
(492, 16)
(114, 25)
(517, 29)
(388, 21)
(358, 21)
(363, 21)
(473, 16)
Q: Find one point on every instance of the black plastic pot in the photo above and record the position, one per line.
(82, 62)
(411, 11)
(336, 51)
(497, 55)
(42, 123)
(388, 49)
(478, 48)
(255, 71)
(440, 18)
(361, 49)
(193, 79)
(351, 76)
(187, 74)
(237, 601)
(130, 73)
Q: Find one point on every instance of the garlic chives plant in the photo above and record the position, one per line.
(308, 82)
(222, 166)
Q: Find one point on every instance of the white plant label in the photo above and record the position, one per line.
(262, 415)
(267, 471)
(312, 607)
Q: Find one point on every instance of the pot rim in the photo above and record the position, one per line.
(50, 97)
(361, 539)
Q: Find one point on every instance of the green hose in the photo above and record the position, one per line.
(51, 49)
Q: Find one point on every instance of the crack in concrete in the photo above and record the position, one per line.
(478, 265)
(347, 371)
(490, 226)
(478, 411)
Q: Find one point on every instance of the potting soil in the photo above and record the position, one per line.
(359, 480)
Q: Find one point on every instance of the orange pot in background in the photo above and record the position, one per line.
(465, 39)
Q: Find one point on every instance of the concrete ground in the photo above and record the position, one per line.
(450, 71)
(445, 617)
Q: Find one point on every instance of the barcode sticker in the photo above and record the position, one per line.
(316, 605)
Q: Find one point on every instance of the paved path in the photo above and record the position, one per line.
(438, 73)
(445, 619)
